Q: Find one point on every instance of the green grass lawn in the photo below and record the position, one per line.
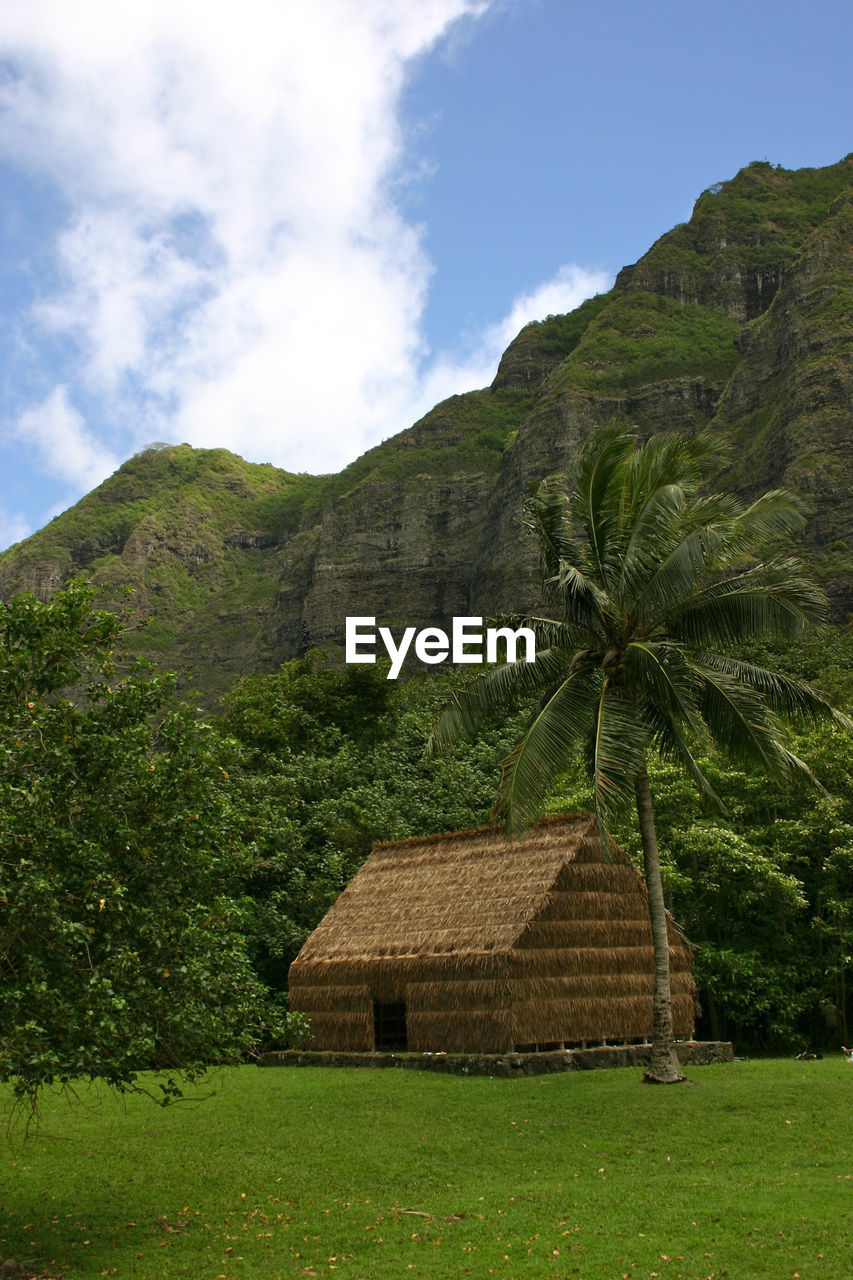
(746, 1171)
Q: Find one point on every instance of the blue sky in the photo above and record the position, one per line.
(289, 229)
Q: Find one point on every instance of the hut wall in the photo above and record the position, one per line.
(612, 1018)
(587, 933)
(341, 1032)
(459, 1013)
(461, 994)
(477, 1016)
(456, 1010)
(341, 1015)
(583, 968)
(594, 963)
(461, 1031)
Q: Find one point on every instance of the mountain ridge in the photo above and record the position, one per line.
(740, 320)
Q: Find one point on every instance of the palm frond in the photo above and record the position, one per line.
(583, 604)
(776, 514)
(792, 764)
(500, 688)
(741, 723)
(659, 671)
(551, 633)
(544, 752)
(664, 507)
(672, 459)
(598, 499)
(651, 534)
(784, 695)
(773, 598)
(616, 749)
(678, 558)
(547, 515)
(671, 692)
(672, 743)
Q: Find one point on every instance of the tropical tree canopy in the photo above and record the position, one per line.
(652, 583)
(120, 864)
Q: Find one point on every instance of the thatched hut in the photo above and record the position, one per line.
(471, 943)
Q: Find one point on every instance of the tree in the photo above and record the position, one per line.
(323, 764)
(120, 925)
(653, 583)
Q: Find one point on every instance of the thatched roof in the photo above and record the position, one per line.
(466, 892)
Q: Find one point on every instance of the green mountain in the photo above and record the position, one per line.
(740, 320)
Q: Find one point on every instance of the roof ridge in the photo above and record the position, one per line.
(491, 828)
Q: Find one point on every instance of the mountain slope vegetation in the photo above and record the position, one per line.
(740, 320)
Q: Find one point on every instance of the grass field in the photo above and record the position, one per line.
(747, 1171)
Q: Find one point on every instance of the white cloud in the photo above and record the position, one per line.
(234, 270)
(66, 449)
(13, 528)
(565, 291)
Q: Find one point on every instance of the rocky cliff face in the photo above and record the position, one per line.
(789, 404)
(740, 320)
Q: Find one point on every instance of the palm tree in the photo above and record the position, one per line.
(652, 583)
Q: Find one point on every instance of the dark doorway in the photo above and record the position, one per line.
(389, 1027)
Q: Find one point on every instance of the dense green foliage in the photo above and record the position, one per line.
(461, 435)
(120, 930)
(198, 495)
(214, 487)
(790, 202)
(754, 224)
(149, 854)
(324, 764)
(192, 535)
(555, 338)
(157, 875)
(641, 338)
(329, 762)
(382, 1174)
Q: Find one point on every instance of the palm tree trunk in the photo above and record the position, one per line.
(664, 1067)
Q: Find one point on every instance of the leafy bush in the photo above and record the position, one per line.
(121, 942)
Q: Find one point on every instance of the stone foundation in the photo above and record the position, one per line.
(692, 1053)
